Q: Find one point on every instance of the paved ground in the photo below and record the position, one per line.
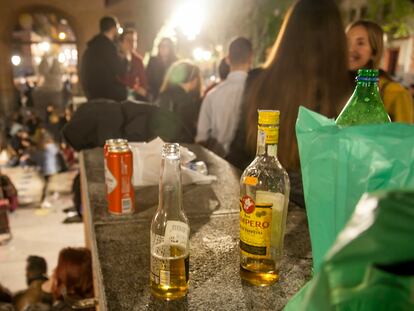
(38, 231)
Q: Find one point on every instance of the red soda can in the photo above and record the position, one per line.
(118, 179)
(109, 142)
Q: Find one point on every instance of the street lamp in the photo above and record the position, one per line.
(16, 60)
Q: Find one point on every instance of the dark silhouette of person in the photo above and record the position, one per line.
(101, 64)
(36, 271)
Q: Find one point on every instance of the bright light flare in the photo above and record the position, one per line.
(16, 60)
(44, 46)
(201, 55)
(62, 57)
(120, 30)
(189, 19)
(37, 60)
(62, 35)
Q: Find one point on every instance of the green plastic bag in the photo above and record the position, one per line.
(371, 265)
(340, 164)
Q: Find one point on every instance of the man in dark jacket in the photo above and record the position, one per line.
(102, 66)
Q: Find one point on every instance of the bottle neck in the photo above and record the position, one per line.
(368, 85)
(267, 139)
(170, 192)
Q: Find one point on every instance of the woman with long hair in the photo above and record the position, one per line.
(306, 67)
(159, 64)
(366, 46)
(179, 103)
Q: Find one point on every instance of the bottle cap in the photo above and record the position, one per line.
(269, 117)
(368, 73)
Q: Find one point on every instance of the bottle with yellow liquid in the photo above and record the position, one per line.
(264, 198)
(170, 232)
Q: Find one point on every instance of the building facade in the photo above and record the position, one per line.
(83, 18)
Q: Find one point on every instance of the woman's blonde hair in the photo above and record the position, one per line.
(375, 38)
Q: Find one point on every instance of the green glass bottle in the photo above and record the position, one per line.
(365, 105)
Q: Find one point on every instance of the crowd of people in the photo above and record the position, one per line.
(69, 286)
(27, 140)
(313, 63)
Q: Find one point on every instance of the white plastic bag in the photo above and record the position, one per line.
(147, 164)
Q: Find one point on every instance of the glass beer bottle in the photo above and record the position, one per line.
(264, 198)
(365, 105)
(170, 232)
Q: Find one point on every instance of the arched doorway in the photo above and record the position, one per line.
(44, 57)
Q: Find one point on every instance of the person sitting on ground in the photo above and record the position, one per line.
(179, 103)
(22, 145)
(36, 275)
(5, 299)
(72, 279)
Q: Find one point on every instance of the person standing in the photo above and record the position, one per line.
(158, 66)
(220, 109)
(179, 103)
(366, 45)
(135, 78)
(302, 69)
(101, 65)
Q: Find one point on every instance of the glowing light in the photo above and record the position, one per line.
(37, 60)
(120, 30)
(189, 19)
(206, 55)
(198, 54)
(201, 55)
(67, 53)
(62, 36)
(62, 57)
(16, 60)
(44, 46)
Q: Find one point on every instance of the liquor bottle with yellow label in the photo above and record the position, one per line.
(264, 198)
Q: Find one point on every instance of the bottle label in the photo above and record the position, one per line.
(250, 180)
(110, 179)
(272, 134)
(177, 233)
(261, 223)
